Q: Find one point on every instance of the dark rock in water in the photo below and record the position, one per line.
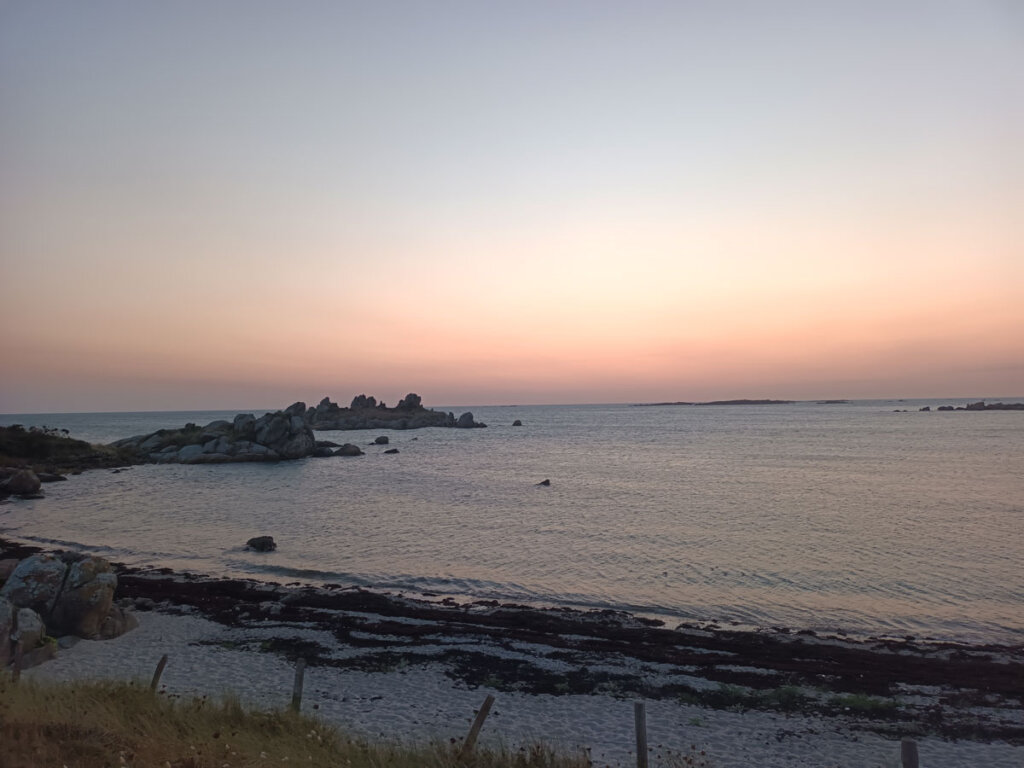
(382, 440)
(544, 482)
(391, 450)
(49, 477)
(465, 421)
(327, 444)
(517, 423)
(349, 450)
(323, 453)
(262, 543)
(926, 408)
(945, 408)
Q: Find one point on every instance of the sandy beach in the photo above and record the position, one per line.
(404, 669)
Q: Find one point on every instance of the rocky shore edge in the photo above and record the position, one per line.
(37, 455)
(893, 687)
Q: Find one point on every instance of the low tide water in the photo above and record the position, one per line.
(846, 517)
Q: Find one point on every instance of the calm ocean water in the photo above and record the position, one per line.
(830, 517)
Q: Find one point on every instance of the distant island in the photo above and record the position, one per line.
(721, 402)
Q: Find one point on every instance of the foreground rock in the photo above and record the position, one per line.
(48, 596)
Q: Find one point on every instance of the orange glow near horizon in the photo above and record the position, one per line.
(515, 219)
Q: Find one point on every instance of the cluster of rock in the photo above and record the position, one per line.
(271, 437)
(46, 596)
(286, 434)
(366, 413)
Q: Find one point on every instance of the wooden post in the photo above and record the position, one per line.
(300, 672)
(908, 753)
(478, 723)
(158, 672)
(19, 652)
(640, 716)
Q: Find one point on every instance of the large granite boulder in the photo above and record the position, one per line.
(85, 602)
(23, 482)
(35, 583)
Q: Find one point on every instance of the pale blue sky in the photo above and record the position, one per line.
(590, 186)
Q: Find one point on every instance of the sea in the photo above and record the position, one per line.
(869, 517)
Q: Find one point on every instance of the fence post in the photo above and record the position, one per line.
(640, 717)
(300, 672)
(478, 723)
(158, 672)
(908, 753)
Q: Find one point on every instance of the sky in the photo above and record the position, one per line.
(238, 203)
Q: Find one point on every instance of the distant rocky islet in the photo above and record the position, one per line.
(284, 435)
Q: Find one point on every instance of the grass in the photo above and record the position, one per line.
(109, 725)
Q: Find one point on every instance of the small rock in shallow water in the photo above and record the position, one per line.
(262, 544)
(544, 482)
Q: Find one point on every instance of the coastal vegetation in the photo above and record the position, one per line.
(101, 724)
(46, 449)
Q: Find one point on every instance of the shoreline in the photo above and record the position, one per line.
(804, 688)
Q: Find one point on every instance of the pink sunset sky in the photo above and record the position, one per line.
(221, 205)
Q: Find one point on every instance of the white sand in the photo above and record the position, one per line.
(421, 703)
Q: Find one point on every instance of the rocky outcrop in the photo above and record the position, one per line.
(47, 594)
(286, 434)
(981, 405)
(366, 413)
(271, 437)
(349, 450)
